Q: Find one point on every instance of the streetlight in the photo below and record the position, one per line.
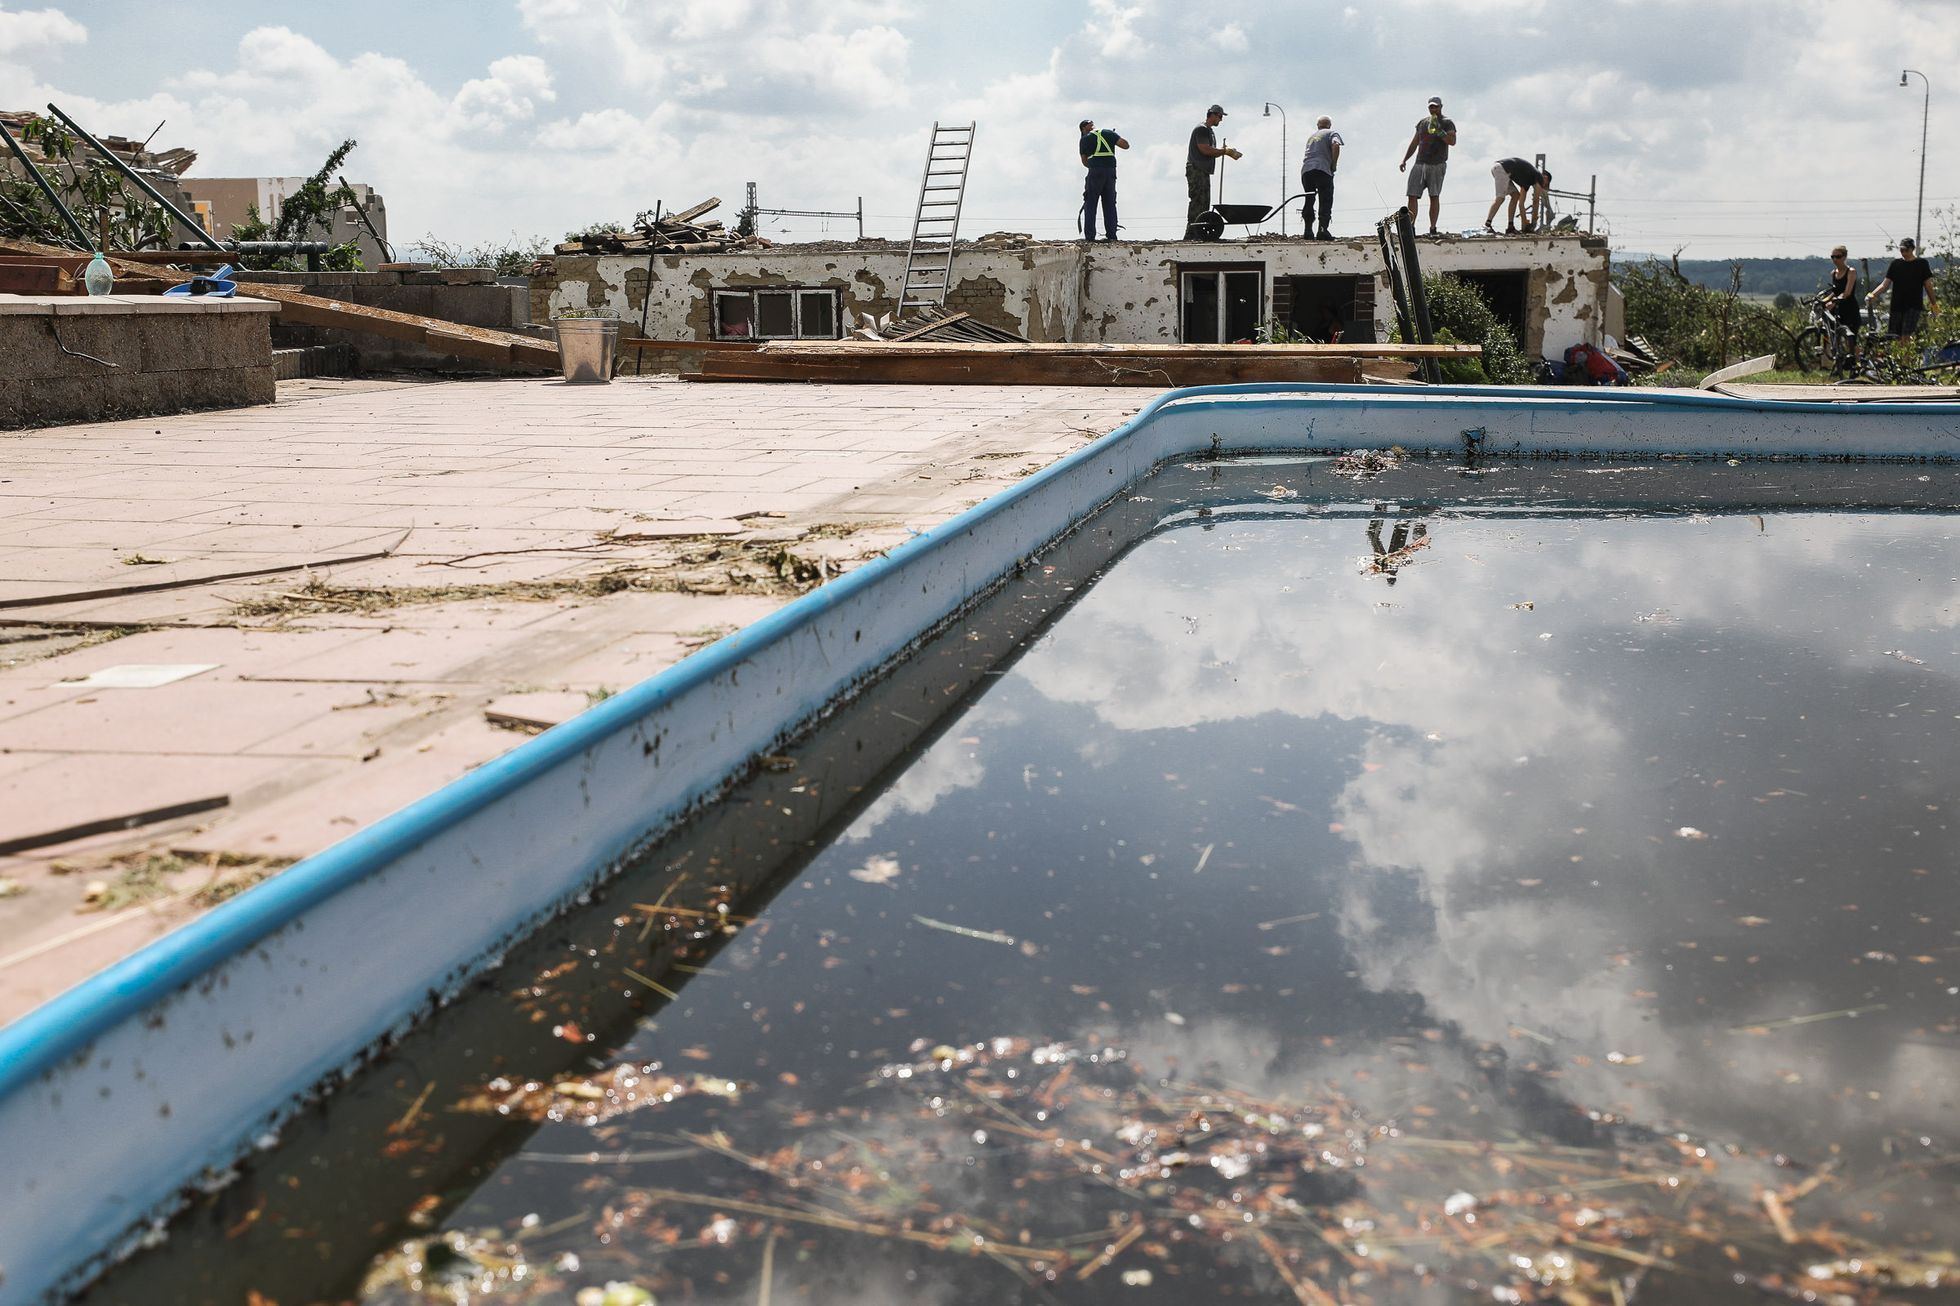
(1270, 106)
(1919, 218)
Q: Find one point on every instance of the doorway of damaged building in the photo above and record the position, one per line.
(1327, 309)
(1506, 293)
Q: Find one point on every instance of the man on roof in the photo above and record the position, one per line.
(1098, 152)
(1526, 187)
(1431, 147)
(1200, 161)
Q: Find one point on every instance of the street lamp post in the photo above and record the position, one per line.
(1919, 217)
(1270, 106)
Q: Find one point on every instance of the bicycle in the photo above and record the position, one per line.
(1825, 343)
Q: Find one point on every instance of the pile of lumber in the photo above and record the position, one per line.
(1636, 355)
(1159, 366)
(933, 324)
(684, 232)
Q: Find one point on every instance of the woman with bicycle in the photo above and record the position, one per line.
(1844, 297)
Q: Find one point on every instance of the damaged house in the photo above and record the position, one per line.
(1552, 290)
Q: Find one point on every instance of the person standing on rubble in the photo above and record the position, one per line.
(1317, 177)
(1910, 278)
(1098, 151)
(1431, 148)
(1199, 163)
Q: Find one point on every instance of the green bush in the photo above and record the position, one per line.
(1459, 314)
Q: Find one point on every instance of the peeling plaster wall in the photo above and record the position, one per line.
(1028, 290)
(1120, 293)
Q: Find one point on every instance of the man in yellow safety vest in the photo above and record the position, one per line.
(1098, 152)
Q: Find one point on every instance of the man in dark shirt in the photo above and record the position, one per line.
(1911, 280)
(1199, 163)
(1525, 187)
(1098, 151)
(1431, 148)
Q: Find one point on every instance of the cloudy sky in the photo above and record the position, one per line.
(1728, 127)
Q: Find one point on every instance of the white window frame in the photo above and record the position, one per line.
(798, 331)
(1219, 271)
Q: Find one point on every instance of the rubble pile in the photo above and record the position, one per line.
(683, 232)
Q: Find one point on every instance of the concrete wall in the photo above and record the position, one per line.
(464, 295)
(149, 354)
(1120, 293)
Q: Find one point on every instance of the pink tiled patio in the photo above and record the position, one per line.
(426, 552)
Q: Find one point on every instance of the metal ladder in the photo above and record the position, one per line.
(928, 276)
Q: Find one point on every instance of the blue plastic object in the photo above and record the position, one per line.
(218, 285)
(98, 278)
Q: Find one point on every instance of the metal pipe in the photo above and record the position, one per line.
(198, 233)
(88, 241)
(1925, 114)
(273, 248)
(1270, 106)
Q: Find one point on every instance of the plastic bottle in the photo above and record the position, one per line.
(98, 276)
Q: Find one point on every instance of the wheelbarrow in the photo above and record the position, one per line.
(1211, 224)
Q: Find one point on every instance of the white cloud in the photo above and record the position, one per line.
(29, 29)
(1112, 29)
(511, 93)
(1700, 143)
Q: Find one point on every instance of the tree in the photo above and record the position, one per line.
(100, 197)
(313, 205)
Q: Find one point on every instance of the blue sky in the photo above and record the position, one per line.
(1723, 126)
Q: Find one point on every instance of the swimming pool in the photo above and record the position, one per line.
(1404, 879)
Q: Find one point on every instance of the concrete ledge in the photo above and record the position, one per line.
(127, 305)
(95, 358)
(173, 1062)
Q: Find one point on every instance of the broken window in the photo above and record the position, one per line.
(816, 313)
(776, 314)
(734, 316)
(1221, 305)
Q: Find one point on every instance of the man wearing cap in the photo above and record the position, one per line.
(1098, 151)
(1911, 280)
(1199, 163)
(1431, 148)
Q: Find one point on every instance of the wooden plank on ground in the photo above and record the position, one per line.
(1161, 371)
(648, 346)
(480, 344)
(924, 348)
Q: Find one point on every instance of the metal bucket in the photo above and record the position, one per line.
(585, 348)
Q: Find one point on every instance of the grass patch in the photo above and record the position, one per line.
(24, 644)
(137, 878)
(700, 565)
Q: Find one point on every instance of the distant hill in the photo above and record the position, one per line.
(1760, 276)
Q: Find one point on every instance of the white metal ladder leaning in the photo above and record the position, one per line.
(928, 276)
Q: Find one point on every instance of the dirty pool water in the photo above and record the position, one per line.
(1521, 884)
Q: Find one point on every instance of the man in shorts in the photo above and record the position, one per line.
(1910, 279)
(1525, 186)
(1431, 148)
